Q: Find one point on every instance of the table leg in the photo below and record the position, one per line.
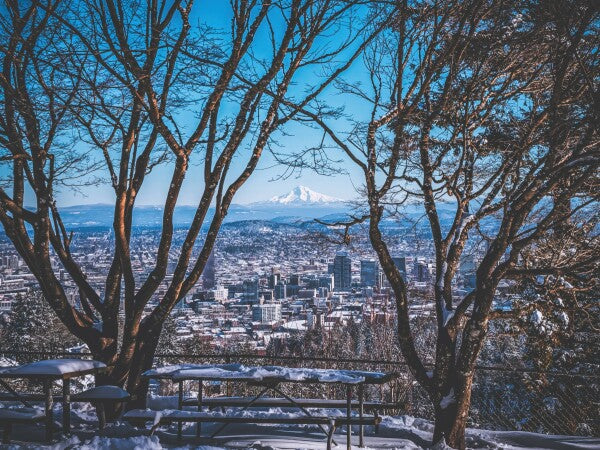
(101, 415)
(304, 410)
(180, 406)
(6, 433)
(48, 409)
(200, 389)
(361, 409)
(66, 405)
(248, 405)
(348, 416)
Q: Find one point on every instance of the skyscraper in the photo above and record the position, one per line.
(400, 263)
(369, 273)
(208, 274)
(280, 291)
(274, 279)
(342, 272)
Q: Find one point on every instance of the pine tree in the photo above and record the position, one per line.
(33, 327)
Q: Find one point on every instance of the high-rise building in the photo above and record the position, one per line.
(295, 280)
(274, 279)
(342, 272)
(208, 274)
(218, 294)
(422, 271)
(250, 291)
(400, 263)
(327, 282)
(266, 313)
(280, 291)
(265, 294)
(369, 273)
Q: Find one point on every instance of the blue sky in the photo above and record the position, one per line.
(266, 180)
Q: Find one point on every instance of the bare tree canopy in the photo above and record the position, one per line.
(491, 108)
(107, 90)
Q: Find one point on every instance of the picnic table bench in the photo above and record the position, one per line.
(9, 417)
(158, 418)
(276, 402)
(269, 378)
(47, 372)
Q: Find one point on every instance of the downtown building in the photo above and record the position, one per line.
(342, 272)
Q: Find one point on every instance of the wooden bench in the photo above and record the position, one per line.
(158, 418)
(99, 396)
(272, 402)
(10, 397)
(276, 402)
(9, 417)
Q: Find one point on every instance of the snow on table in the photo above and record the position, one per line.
(56, 367)
(167, 371)
(260, 373)
(103, 392)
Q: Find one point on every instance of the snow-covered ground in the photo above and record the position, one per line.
(401, 432)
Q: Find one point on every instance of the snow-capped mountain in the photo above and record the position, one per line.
(302, 194)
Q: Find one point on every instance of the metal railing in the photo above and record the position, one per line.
(503, 398)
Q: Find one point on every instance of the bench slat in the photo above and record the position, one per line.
(8, 397)
(281, 402)
(20, 415)
(195, 416)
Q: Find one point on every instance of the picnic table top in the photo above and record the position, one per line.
(266, 374)
(54, 369)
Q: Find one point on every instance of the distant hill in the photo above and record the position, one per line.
(297, 208)
(101, 215)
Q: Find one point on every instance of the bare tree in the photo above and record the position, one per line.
(115, 83)
(490, 108)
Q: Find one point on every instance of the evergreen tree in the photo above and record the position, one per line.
(33, 327)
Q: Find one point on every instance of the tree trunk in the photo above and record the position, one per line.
(143, 360)
(452, 412)
(128, 375)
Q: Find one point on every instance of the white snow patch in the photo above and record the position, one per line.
(448, 399)
(564, 318)
(447, 315)
(536, 317)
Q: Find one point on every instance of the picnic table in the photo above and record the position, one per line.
(47, 372)
(270, 378)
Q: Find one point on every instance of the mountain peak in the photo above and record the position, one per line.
(302, 194)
